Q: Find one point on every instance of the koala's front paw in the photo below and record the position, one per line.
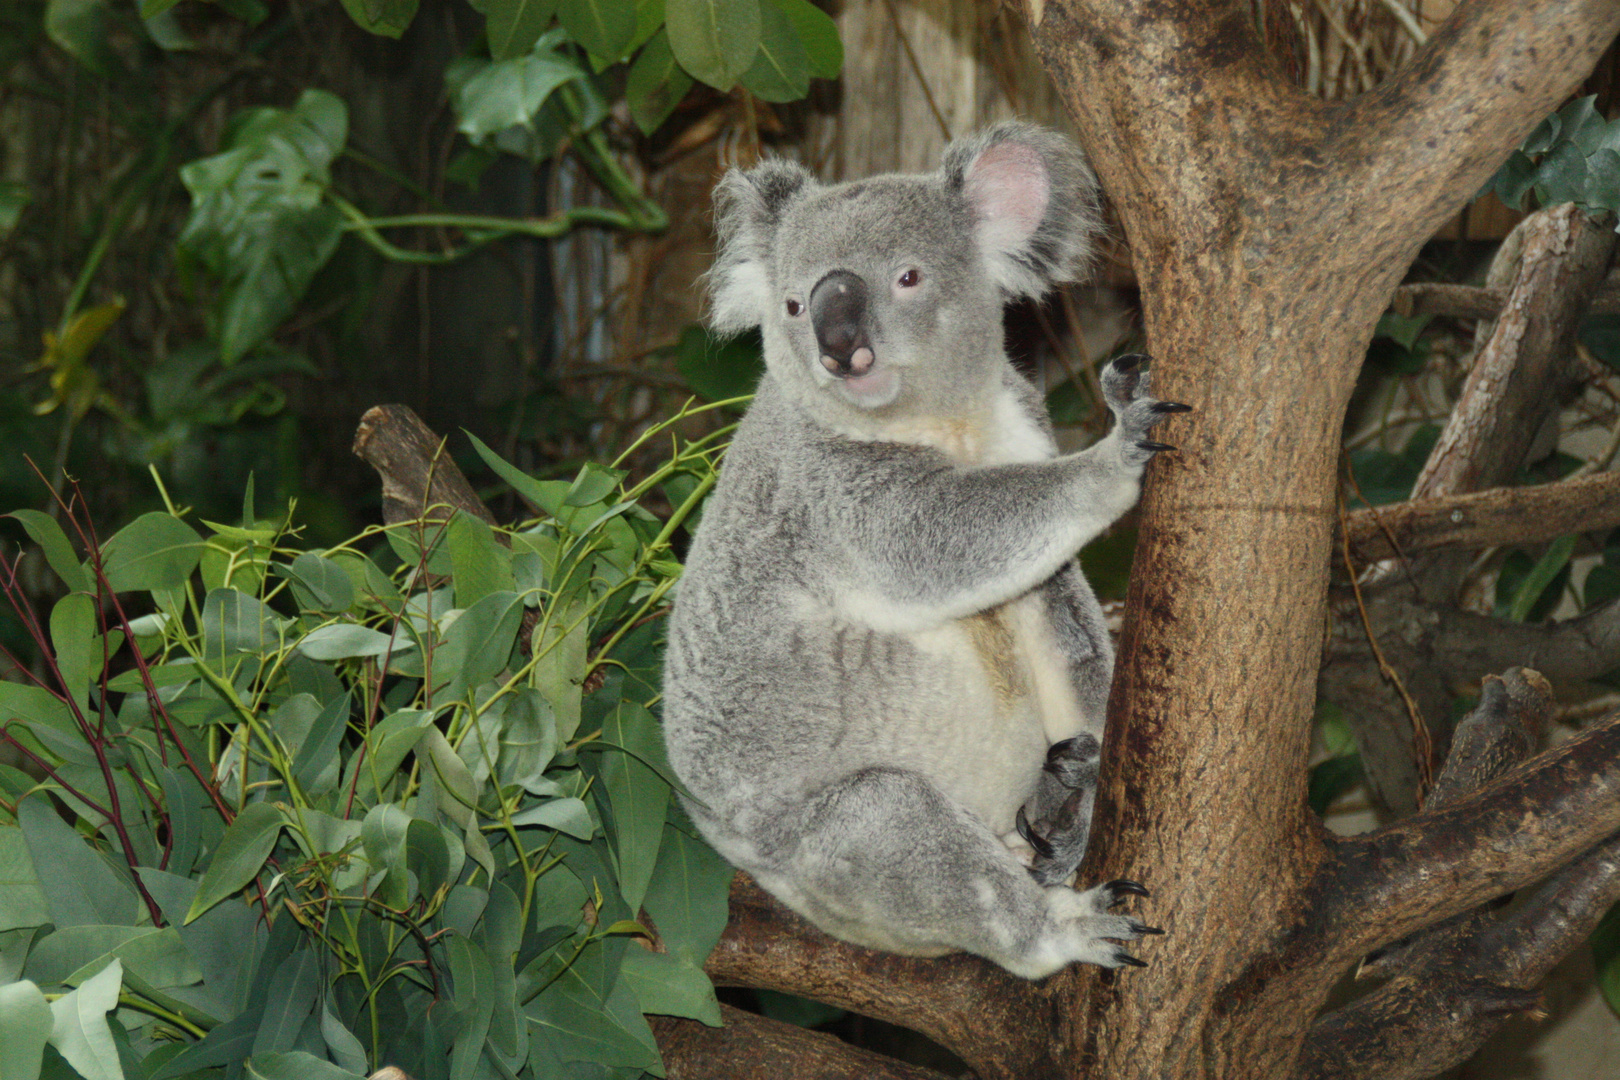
(1099, 931)
(1125, 387)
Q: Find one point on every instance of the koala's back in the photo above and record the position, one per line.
(780, 681)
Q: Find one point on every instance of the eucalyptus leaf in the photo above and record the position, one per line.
(22, 901)
(386, 18)
(79, 1025)
(243, 849)
(44, 531)
(25, 1025)
(817, 33)
(155, 551)
(79, 886)
(513, 26)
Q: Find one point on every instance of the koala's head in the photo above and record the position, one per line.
(883, 297)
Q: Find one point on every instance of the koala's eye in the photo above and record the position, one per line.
(793, 309)
(909, 279)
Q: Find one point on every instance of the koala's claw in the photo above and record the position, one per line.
(1156, 447)
(1126, 958)
(1171, 407)
(1122, 887)
(1130, 361)
(1042, 846)
(1144, 928)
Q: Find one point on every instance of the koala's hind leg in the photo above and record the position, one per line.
(888, 860)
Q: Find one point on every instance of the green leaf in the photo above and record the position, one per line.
(687, 896)
(22, 901)
(479, 563)
(637, 795)
(79, 1025)
(604, 27)
(242, 851)
(73, 632)
(593, 485)
(80, 887)
(669, 985)
(547, 495)
(1540, 576)
(341, 641)
(155, 551)
(513, 26)
(388, 18)
(781, 70)
(81, 28)
(818, 34)
(453, 774)
(567, 815)
(714, 40)
(296, 1065)
(290, 1001)
(489, 98)
(44, 531)
(528, 743)
(719, 369)
(258, 220)
(477, 645)
(1605, 944)
(234, 622)
(315, 765)
(320, 583)
(474, 1000)
(340, 1041)
(656, 84)
(560, 647)
(427, 855)
(14, 199)
(383, 837)
(25, 1025)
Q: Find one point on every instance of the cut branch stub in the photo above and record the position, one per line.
(419, 479)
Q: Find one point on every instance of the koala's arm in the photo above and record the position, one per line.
(920, 540)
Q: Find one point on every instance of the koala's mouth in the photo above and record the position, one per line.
(862, 379)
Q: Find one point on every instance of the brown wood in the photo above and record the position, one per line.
(1269, 232)
(419, 479)
(751, 1047)
(1481, 519)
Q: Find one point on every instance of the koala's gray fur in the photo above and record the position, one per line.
(884, 661)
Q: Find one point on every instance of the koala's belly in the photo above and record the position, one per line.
(997, 695)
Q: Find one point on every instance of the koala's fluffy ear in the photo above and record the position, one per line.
(748, 205)
(1034, 201)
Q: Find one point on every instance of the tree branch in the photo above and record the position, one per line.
(1452, 985)
(1484, 304)
(752, 1047)
(1440, 862)
(997, 1023)
(1524, 367)
(1482, 519)
(1434, 132)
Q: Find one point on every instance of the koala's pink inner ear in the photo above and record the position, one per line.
(1008, 188)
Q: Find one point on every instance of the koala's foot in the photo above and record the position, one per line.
(1125, 387)
(1057, 821)
(1088, 930)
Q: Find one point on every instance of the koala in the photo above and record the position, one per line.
(886, 677)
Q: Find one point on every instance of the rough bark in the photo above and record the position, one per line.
(418, 478)
(751, 1047)
(1482, 519)
(1269, 232)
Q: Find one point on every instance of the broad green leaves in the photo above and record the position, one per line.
(259, 218)
(1574, 156)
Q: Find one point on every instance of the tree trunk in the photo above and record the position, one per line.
(1269, 232)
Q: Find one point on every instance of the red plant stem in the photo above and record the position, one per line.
(44, 767)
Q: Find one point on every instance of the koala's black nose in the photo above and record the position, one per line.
(838, 313)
